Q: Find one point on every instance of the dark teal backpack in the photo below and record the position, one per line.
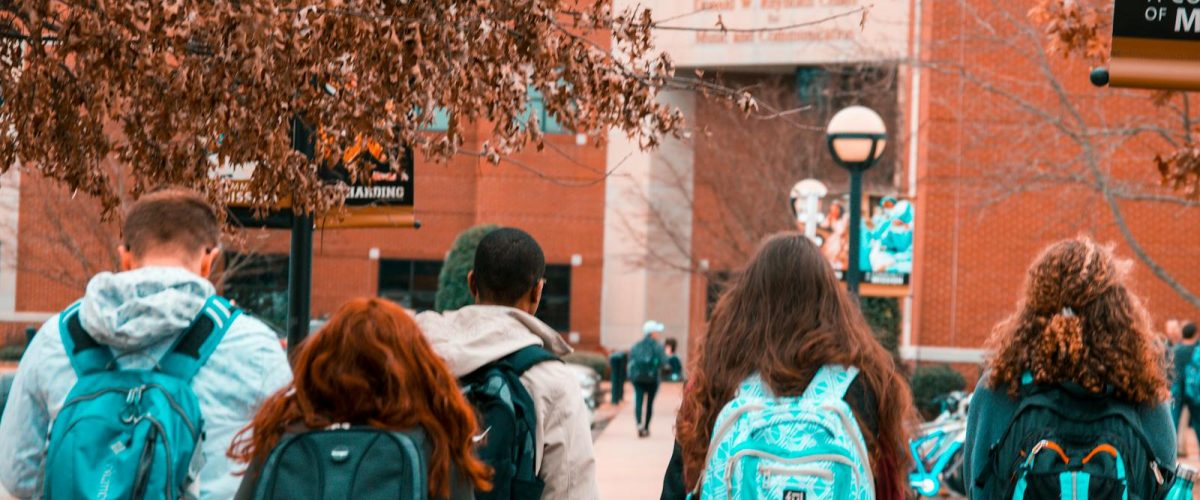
(1067, 443)
(508, 420)
(347, 462)
(132, 433)
(645, 361)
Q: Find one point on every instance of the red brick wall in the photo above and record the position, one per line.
(973, 246)
(561, 203)
(61, 242)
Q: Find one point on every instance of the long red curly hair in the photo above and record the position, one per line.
(1078, 322)
(371, 365)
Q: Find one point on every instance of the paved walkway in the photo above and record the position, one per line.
(632, 468)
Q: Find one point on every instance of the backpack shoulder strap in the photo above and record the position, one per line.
(831, 382)
(86, 355)
(525, 358)
(198, 342)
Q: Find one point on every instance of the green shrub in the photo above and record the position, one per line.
(930, 382)
(453, 292)
(594, 360)
(883, 314)
(11, 352)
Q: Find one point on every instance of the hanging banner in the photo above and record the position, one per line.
(386, 200)
(886, 252)
(1156, 44)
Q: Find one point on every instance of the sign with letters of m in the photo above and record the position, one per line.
(1156, 44)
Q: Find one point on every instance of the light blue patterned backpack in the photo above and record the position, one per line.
(789, 448)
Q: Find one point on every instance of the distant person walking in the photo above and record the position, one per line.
(1186, 382)
(788, 346)
(150, 360)
(366, 384)
(646, 360)
(498, 342)
(1073, 403)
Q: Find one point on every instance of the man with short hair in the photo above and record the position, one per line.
(170, 243)
(506, 283)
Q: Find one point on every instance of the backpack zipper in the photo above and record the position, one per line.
(782, 471)
(142, 477)
(91, 396)
(130, 392)
(170, 487)
(175, 406)
(415, 457)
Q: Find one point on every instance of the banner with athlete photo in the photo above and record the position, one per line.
(886, 253)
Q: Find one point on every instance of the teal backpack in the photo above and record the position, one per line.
(132, 433)
(645, 362)
(789, 448)
(1191, 380)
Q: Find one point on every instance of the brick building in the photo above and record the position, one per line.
(1001, 148)
(1016, 150)
(556, 195)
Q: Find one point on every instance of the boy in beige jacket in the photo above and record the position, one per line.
(507, 285)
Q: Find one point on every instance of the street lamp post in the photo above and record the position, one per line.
(857, 137)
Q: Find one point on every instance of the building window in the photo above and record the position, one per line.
(536, 106)
(258, 284)
(555, 309)
(441, 120)
(411, 283)
(414, 285)
(811, 83)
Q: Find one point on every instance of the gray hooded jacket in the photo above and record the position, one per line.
(474, 336)
(139, 314)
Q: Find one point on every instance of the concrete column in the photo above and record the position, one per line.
(10, 210)
(647, 237)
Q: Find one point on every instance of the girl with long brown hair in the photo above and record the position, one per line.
(1081, 337)
(784, 317)
(370, 365)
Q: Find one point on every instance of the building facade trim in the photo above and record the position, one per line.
(941, 354)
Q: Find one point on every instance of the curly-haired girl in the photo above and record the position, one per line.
(1081, 336)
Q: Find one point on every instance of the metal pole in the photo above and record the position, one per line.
(853, 272)
(300, 280)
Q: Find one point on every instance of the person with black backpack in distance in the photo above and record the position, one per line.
(646, 360)
(536, 429)
(372, 414)
(1073, 401)
(790, 396)
(136, 390)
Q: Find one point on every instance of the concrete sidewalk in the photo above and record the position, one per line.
(629, 467)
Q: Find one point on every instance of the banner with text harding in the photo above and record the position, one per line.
(385, 201)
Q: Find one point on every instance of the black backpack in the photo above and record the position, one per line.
(507, 419)
(645, 365)
(1064, 442)
(345, 462)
